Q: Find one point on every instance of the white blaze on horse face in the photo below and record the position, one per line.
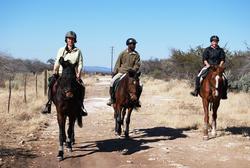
(217, 85)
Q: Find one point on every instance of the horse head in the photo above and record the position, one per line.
(217, 70)
(133, 84)
(216, 78)
(68, 81)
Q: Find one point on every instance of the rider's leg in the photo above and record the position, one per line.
(138, 104)
(52, 81)
(81, 98)
(111, 100)
(198, 81)
(225, 87)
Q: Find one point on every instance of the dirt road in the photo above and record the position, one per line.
(151, 144)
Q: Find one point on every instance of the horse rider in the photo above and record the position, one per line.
(74, 55)
(129, 59)
(212, 55)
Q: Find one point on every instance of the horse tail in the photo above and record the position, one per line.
(79, 121)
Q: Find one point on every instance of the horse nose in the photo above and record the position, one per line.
(69, 93)
(133, 97)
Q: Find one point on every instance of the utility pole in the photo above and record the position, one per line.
(112, 56)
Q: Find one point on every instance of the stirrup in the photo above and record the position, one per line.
(47, 109)
(110, 102)
(194, 93)
(83, 112)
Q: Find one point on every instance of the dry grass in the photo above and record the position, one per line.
(170, 104)
(23, 118)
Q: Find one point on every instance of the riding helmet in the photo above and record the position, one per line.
(131, 41)
(214, 38)
(71, 34)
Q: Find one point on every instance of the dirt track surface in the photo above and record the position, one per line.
(150, 145)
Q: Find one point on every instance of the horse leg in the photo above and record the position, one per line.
(118, 120)
(70, 133)
(123, 116)
(215, 108)
(128, 122)
(73, 134)
(61, 122)
(206, 118)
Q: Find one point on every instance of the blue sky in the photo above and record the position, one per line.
(35, 29)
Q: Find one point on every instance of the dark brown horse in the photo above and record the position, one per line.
(126, 97)
(211, 91)
(66, 98)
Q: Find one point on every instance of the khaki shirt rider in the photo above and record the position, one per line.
(74, 56)
(126, 61)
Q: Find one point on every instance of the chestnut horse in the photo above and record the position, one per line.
(126, 96)
(210, 92)
(65, 97)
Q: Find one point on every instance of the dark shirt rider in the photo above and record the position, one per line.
(212, 55)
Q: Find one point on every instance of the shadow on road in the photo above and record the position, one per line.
(245, 131)
(130, 146)
(16, 157)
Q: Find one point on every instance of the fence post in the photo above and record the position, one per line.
(45, 82)
(24, 91)
(9, 95)
(36, 85)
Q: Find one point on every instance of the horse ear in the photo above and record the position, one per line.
(138, 74)
(62, 62)
(131, 73)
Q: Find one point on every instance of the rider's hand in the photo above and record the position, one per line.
(55, 75)
(78, 76)
(207, 65)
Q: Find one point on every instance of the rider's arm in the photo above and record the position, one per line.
(118, 63)
(205, 57)
(137, 63)
(222, 57)
(221, 63)
(80, 65)
(57, 64)
(206, 63)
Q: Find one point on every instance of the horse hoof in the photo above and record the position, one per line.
(126, 134)
(214, 134)
(69, 149)
(69, 146)
(60, 156)
(205, 137)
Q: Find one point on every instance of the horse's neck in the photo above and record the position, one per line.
(123, 84)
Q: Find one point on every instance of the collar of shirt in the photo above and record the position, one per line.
(132, 52)
(74, 49)
(217, 47)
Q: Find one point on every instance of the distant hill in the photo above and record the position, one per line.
(10, 65)
(97, 69)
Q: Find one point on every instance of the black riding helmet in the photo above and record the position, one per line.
(131, 41)
(214, 38)
(70, 34)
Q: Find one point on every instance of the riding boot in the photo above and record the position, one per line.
(47, 108)
(138, 103)
(111, 100)
(51, 80)
(224, 89)
(197, 87)
(83, 111)
(82, 95)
